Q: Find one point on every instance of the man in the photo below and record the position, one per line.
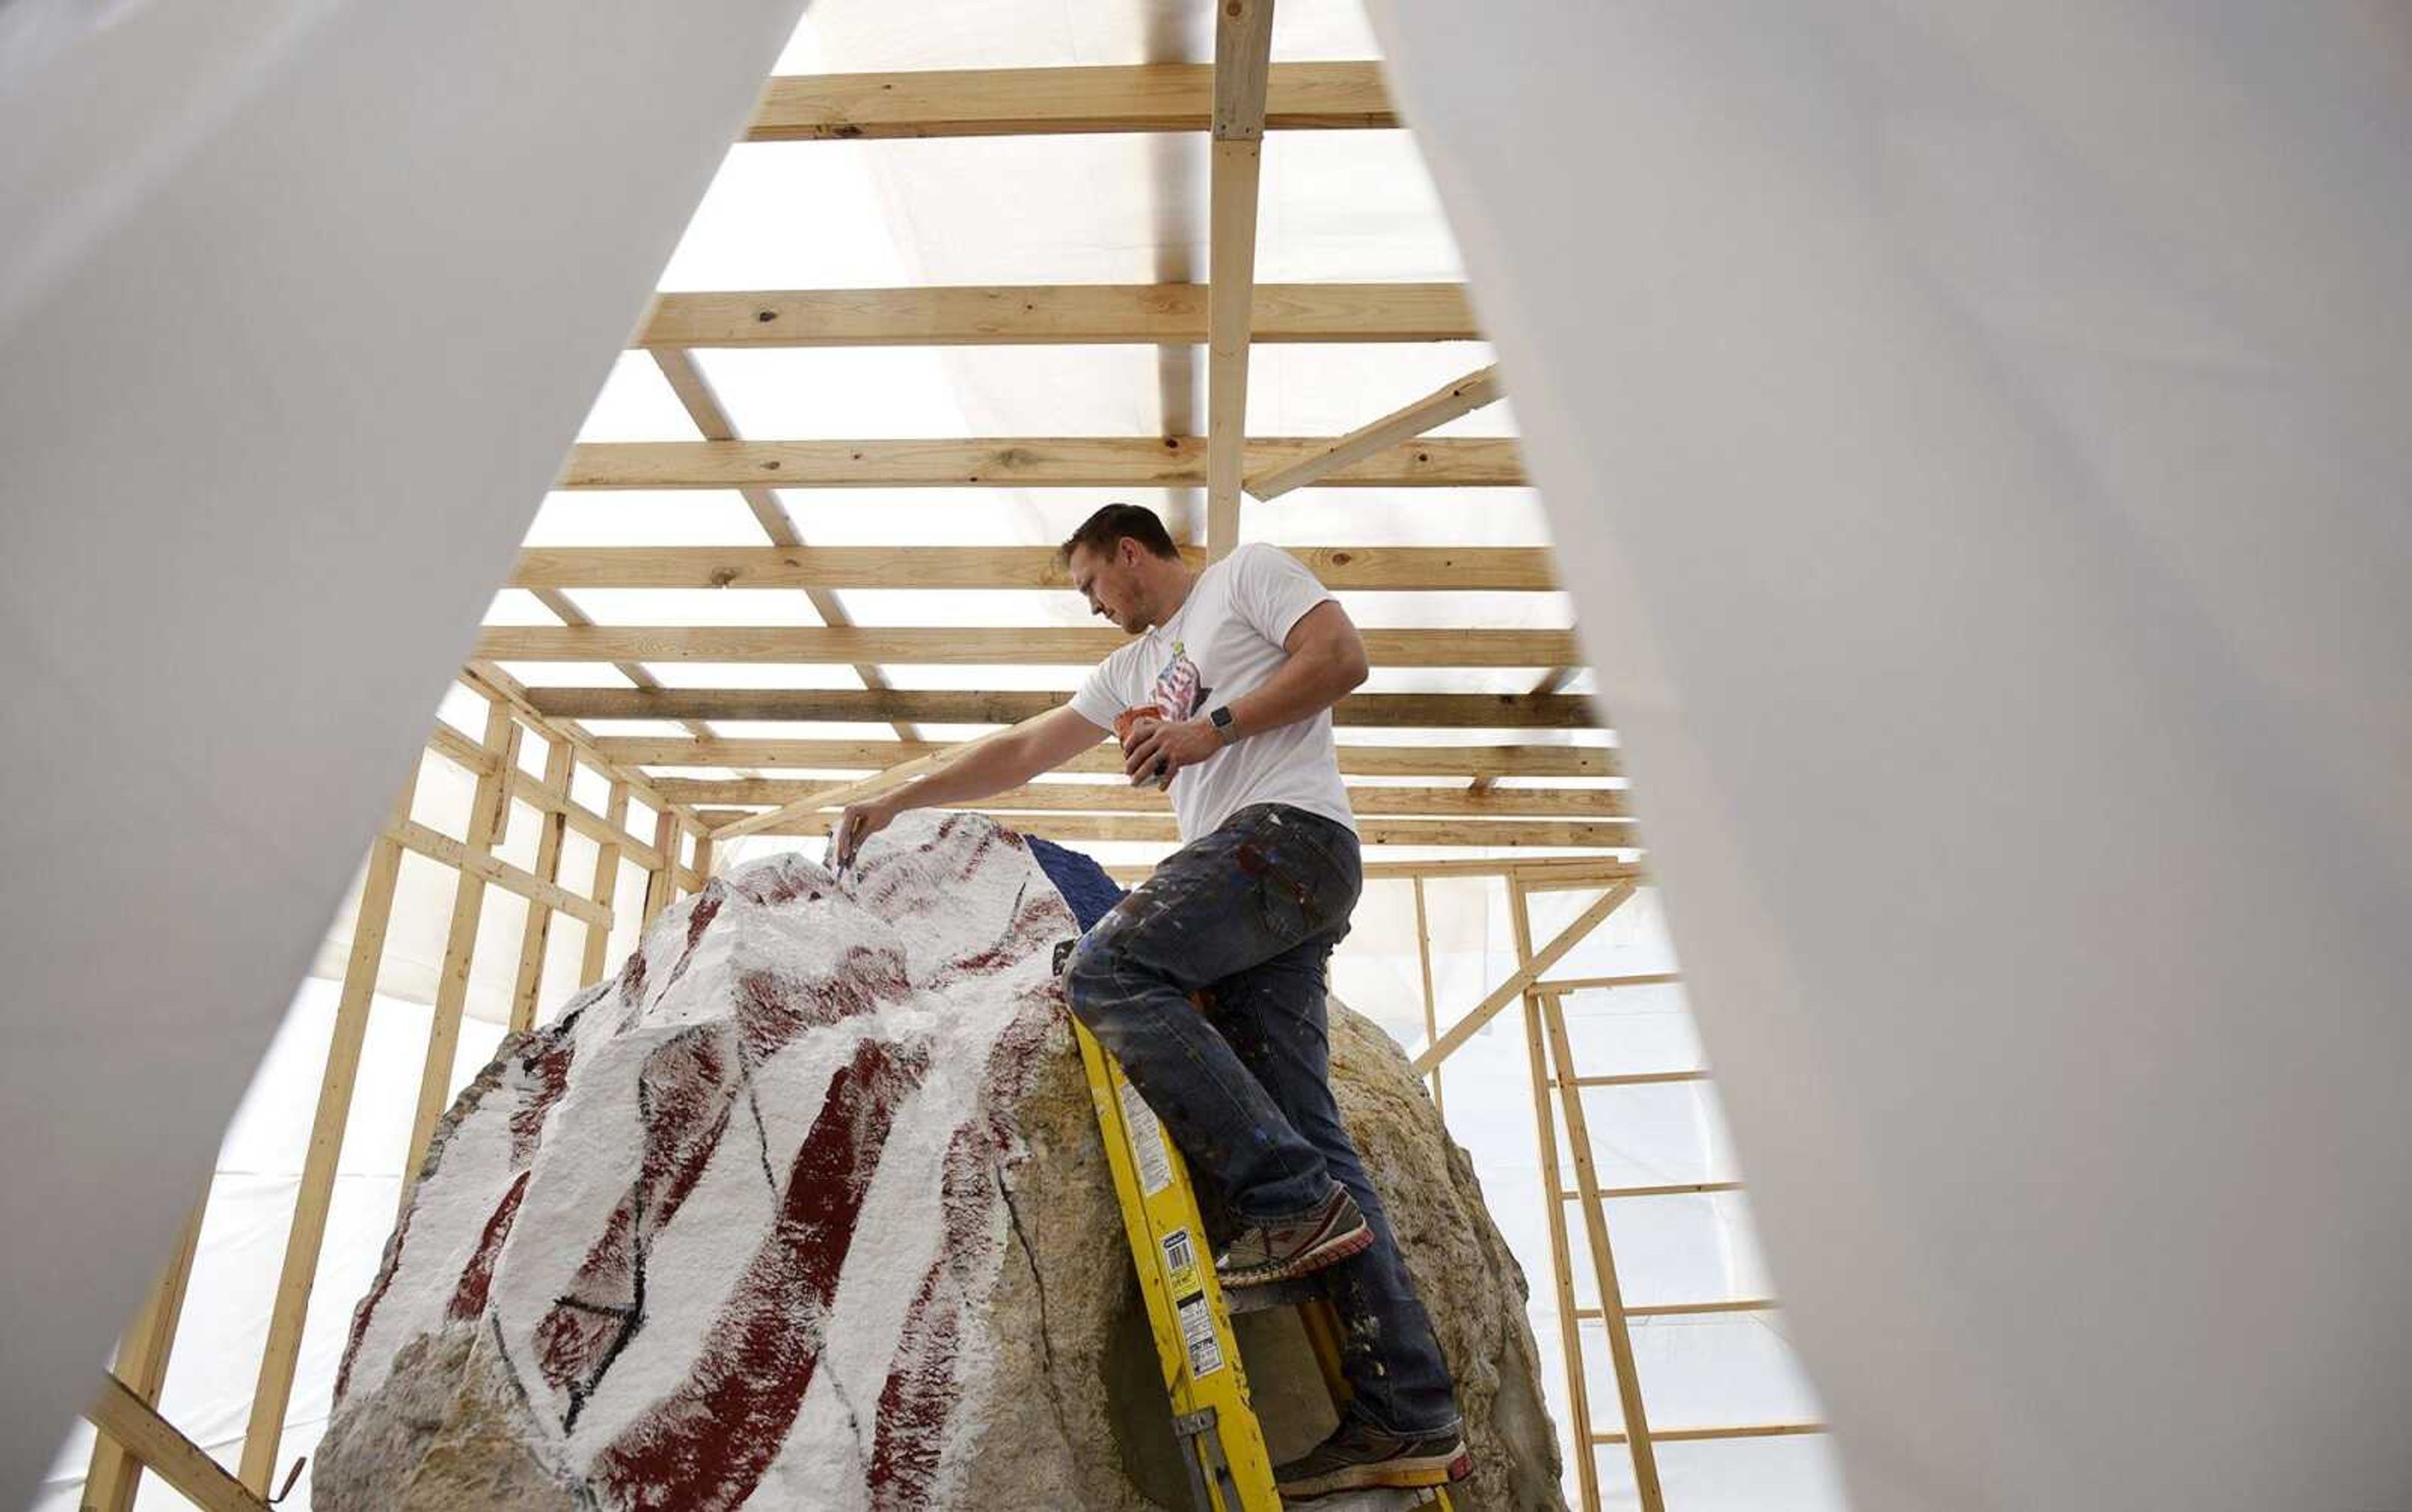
(1242, 663)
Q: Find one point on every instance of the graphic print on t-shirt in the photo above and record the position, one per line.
(1178, 692)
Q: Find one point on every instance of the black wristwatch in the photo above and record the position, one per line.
(1221, 720)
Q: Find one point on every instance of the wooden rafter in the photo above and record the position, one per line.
(1054, 314)
(1122, 798)
(995, 102)
(967, 646)
(1385, 711)
(1556, 833)
(1341, 568)
(1440, 406)
(1244, 41)
(1356, 760)
(1051, 462)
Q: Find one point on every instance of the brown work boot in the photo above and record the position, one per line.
(1334, 1230)
(1359, 1456)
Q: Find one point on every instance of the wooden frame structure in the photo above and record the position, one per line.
(1552, 1066)
(1529, 791)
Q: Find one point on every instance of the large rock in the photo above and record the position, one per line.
(807, 1208)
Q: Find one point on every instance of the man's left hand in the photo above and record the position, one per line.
(1162, 748)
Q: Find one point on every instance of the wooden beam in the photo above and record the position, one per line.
(606, 886)
(1601, 984)
(307, 1237)
(1122, 798)
(173, 1458)
(1036, 461)
(1556, 833)
(964, 645)
(1371, 710)
(1603, 1259)
(113, 1475)
(489, 810)
(484, 677)
(1244, 41)
(1054, 314)
(1678, 1310)
(1423, 960)
(1463, 397)
(1356, 760)
(1562, 1275)
(1723, 1430)
(528, 984)
(1341, 568)
(1526, 974)
(661, 885)
(1553, 873)
(999, 102)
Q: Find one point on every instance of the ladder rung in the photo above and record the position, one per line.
(1681, 1435)
(1677, 1189)
(1668, 1309)
(1637, 1078)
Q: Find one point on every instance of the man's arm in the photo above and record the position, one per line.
(1327, 661)
(993, 766)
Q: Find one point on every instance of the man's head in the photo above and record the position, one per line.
(1124, 563)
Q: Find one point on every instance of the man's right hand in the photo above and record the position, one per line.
(859, 823)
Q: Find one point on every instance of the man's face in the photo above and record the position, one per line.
(1109, 581)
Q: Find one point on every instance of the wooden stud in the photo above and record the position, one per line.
(1432, 1023)
(661, 885)
(1122, 798)
(1063, 314)
(994, 102)
(1603, 1259)
(488, 810)
(965, 646)
(306, 1238)
(114, 1475)
(606, 886)
(704, 862)
(175, 1459)
(529, 983)
(1605, 984)
(1670, 1310)
(1356, 760)
(1370, 710)
(1528, 971)
(1244, 37)
(1052, 461)
(1561, 1259)
(1341, 568)
(1466, 395)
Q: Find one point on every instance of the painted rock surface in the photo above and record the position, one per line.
(806, 1208)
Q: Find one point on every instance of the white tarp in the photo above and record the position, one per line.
(1976, 438)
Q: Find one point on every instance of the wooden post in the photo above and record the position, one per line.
(307, 1236)
(558, 764)
(1561, 1263)
(662, 884)
(1431, 1021)
(488, 810)
(110, 1482)
(704, 862)
(607, 886)
(1603, 1259)
(121, 1416)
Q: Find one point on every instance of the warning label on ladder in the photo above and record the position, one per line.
(1146, 1142)
(1198, 1332)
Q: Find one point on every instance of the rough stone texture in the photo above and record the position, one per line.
(633, 1275)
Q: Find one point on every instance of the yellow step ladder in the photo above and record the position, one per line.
(1222, 1443)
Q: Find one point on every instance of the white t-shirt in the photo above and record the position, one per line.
(1222, 643)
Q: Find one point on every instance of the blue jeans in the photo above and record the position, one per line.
(1252, 912)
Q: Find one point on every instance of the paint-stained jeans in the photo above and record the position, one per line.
(1251, 913)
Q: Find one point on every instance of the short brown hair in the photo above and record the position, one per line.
(1117, 522)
